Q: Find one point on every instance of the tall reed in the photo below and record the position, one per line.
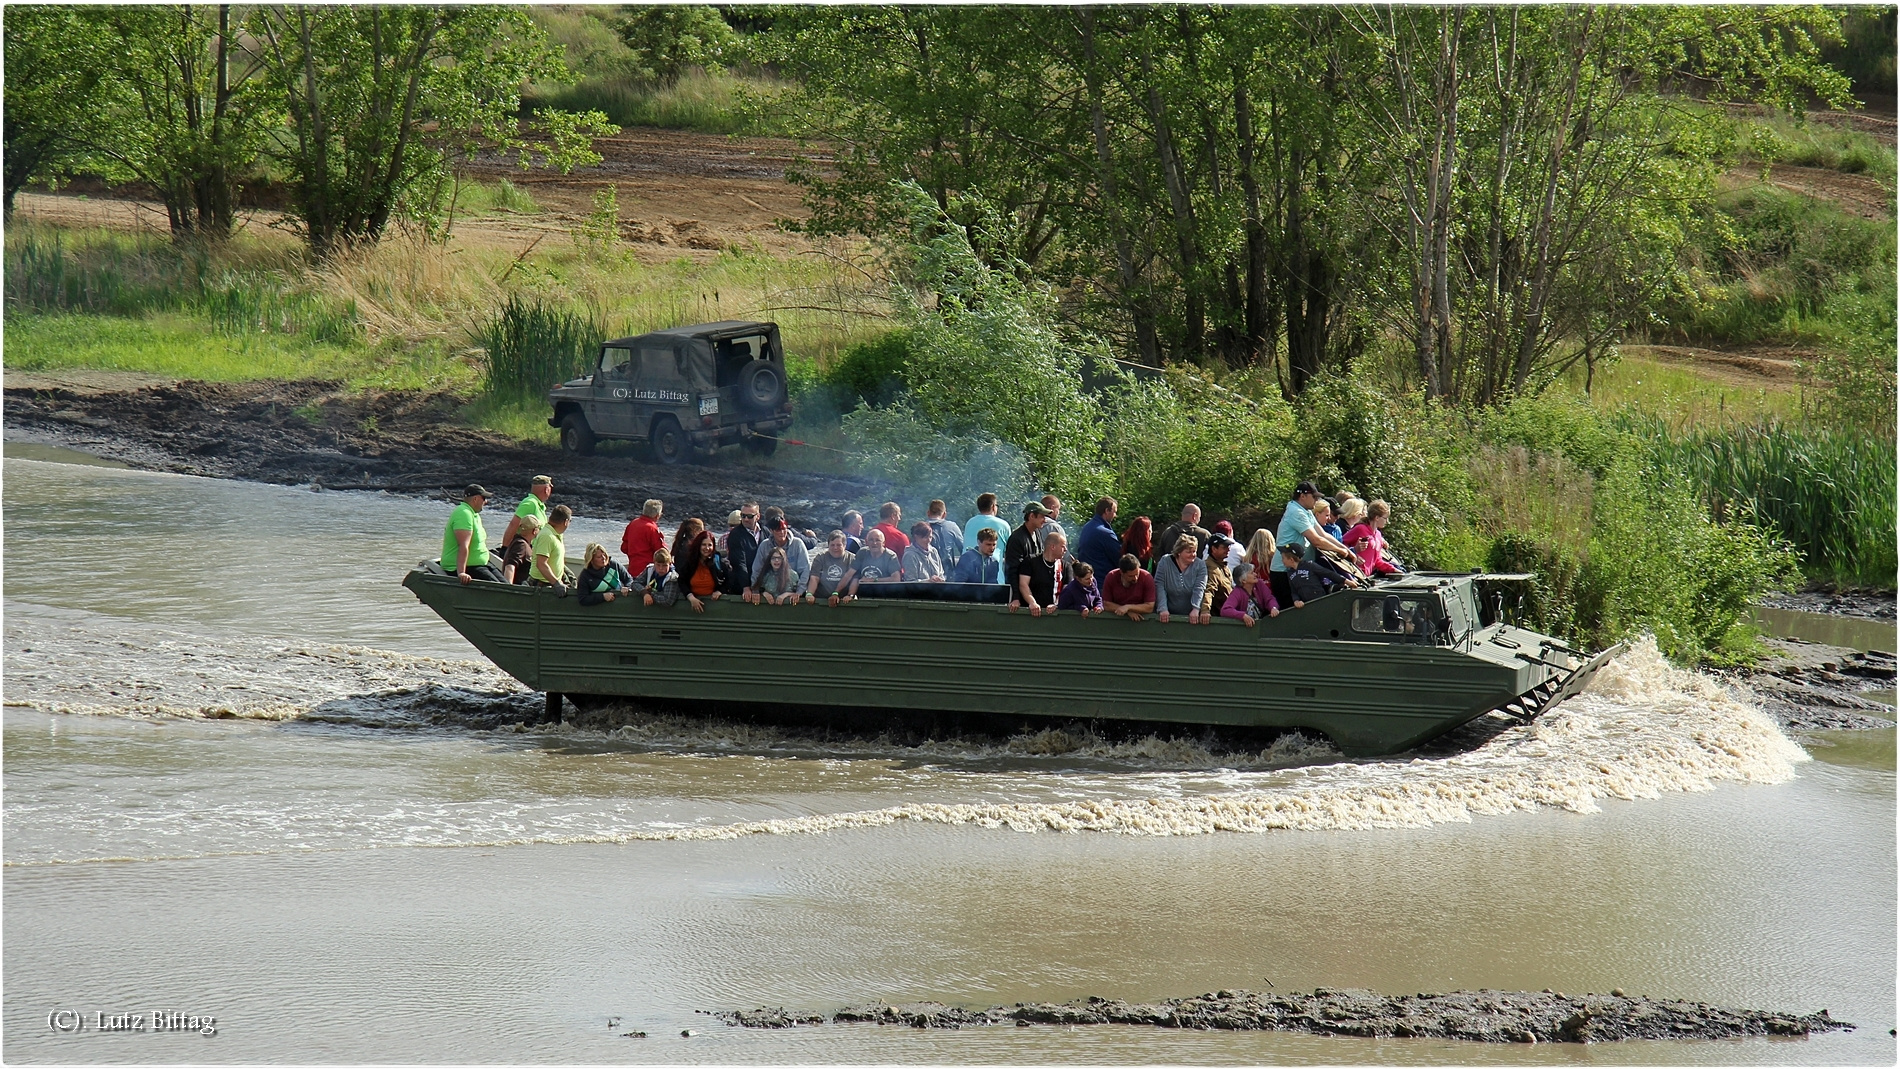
(533, 344)
(1829, 491)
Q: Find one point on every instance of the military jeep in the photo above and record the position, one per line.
(685, 391)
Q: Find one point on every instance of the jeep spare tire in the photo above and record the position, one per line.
(762, 386)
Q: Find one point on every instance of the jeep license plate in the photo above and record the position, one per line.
(709, 406)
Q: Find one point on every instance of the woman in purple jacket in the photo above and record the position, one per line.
(1251, 598)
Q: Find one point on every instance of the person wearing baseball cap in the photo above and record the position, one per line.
(1300, 529)
(535, 504)
(465, 543)
(1024, 542)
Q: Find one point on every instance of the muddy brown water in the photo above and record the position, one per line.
(248, 777)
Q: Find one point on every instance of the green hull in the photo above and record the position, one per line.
(1370, 697)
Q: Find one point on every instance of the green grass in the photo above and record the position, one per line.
(518, 418)
(1828, 491)
(489, 198)
(182, 346)
(1683, 396)
(1780, 139)
(718, 102)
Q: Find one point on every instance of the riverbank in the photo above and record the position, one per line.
(316, 434)
(1474, 1016)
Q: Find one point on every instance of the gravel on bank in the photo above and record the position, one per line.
(1477, 1016)
(1809, 686)
(1860, 604)
(406, 442)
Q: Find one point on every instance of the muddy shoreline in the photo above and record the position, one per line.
(403, 442)
(1808, 686)
(1474, 1016)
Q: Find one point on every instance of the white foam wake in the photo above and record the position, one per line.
(1645, 728)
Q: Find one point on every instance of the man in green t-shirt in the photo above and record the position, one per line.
(464, 543)
(535, 504)
(550, 552)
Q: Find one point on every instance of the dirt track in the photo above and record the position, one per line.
(306, 433)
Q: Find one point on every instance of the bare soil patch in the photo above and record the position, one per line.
(680, 194)
(1756, 366)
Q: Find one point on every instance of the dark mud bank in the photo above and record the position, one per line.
(309, 434)
(1864, 605)
(1808, 686)
(1477, 1016)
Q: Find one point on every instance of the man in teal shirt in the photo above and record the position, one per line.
(464, 543)
(1299, 527)
(986, 517)
(535, 504)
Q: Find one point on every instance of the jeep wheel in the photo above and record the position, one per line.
(669, 442)
(576, 436)
(761, 445)
(762, 386)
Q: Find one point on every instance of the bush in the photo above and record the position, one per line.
(1550, 598)
(533, 345)
(1690, 580)
(869, 373)
(986, 356)
(1167, 443)
(1350, 436)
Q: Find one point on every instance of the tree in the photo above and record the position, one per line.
(187, 117)
(1539, 175)
(381, 99)
(56, 62)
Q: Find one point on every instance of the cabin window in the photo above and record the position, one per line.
(750, 347)
(1393, 615)
(614, 361)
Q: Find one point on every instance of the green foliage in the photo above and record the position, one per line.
(600, 231)
(57, 61)
(1169, 442)
(1557, 421)
(533, 345)
(1550, 598)
(1689, 581)
(381, 99)
(478, 198)
(1349, 435)
(713, 102)
(871, 372)
(1829, 492)
(986, 354)
(185, 114)
(1276, 183)
(664, 40)
(130, 275)
(1814, 142)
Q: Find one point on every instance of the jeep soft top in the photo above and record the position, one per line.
(686, 390)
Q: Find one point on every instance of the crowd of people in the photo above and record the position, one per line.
(1190, 572)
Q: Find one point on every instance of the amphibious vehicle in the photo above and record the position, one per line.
(1377, 671)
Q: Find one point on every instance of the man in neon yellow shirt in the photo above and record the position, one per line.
(535, 504)
(550, 552)
(464, 543)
